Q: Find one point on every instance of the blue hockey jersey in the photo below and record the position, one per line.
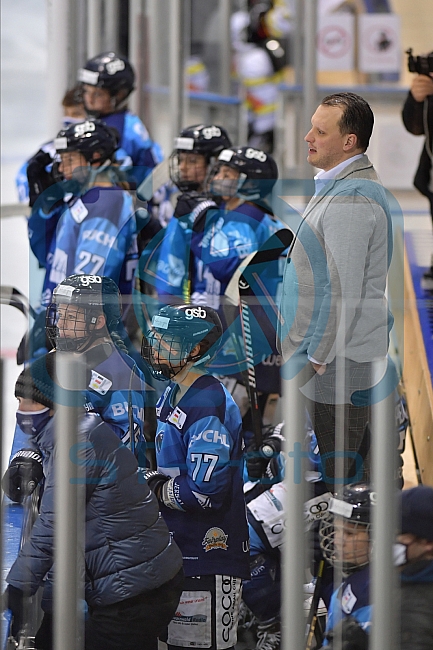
(135, 144)
(199, 445)
(351, 599)
(91, 234)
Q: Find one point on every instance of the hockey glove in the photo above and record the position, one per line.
(354, 637)
(162, 487)
(155, 481)
(38, 177)
(259, 459)
(13, 600)
(23, 475)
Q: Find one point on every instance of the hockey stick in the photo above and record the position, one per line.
(270, 251)
(14, 298)
(312, 618)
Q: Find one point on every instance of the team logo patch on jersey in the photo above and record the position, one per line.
(178, 418)
(78, 211)
(348, 600)
(215, 538)
(99, 383)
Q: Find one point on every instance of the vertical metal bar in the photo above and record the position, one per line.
(58, 55)
(225, 47)
(111, 31)
(69, 508)
(176, 68)
(78, 39)
(134, 51)
(383, 577)
(293, 571)
(2, 621)
(93, 27)
(310, 72)
(186, 53)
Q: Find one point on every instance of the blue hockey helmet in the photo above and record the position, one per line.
(110, 71)
(90, 296)
(176, 332)
(257, 170)
(206, 140)
(346, 517)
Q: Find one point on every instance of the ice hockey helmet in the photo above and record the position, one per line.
(354, 507)
(110, 71)
(95, 295)
(258, 173)
(204, 139)
(88, 137)
(176, 330)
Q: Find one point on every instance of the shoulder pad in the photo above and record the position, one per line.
(187, 202)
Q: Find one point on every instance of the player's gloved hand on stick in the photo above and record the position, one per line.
(23, 474)
(155, 481)
(258, 459)
(163, 488)
(13, 600)
(37, 175)
(352, 634)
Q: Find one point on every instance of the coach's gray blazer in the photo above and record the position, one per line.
(340, 258)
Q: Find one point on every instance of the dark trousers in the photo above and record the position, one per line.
(353, 457)
(131, 624)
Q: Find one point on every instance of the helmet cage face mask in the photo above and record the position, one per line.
(177, 331)
(200, 139)
(258, 173)
(87, 296)
(167, 354)
(336, 531)
(86, 138)
(71, 337)
(224, 186)
(195, 177)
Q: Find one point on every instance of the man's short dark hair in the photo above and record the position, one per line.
(357, 116)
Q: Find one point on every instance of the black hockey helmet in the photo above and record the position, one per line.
(354, 508)
(205, 140)
(93, 295)
(110, 71)
(175, 332)
(258, 173)
(88, 137)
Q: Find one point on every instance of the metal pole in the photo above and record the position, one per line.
(225, 47)
(58, 55)
(2, 621)
(69, 507)
(383, 576)
(111, 31)
(135, 23)
(310, 72)
(176, 68)
(293, 571)
(93, 27)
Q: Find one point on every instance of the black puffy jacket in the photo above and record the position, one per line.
(128, 549)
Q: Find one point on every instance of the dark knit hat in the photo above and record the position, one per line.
(36, 381)
(417, 512)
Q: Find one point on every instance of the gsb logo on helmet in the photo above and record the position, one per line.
(211, 132)
(90, 279)
(254, 153)
(115, 66)
(81, 129)
(195, 312)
